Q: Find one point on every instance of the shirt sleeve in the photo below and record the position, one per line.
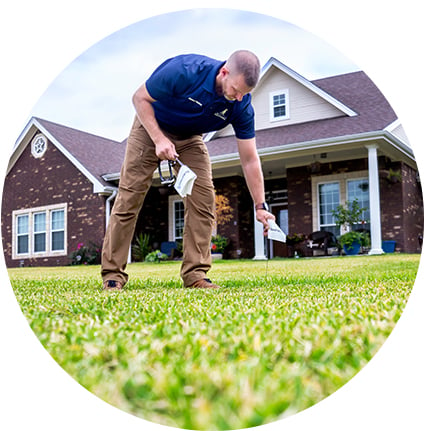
(244, 123)
(168, 80)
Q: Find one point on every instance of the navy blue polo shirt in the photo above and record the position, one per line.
(186, 102)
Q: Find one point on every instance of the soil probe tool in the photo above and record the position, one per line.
(170, 180)
(183, 182)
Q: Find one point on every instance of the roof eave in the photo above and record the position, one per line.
(23, 141)
(321, 144)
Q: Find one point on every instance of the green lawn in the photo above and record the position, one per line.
(272, 342)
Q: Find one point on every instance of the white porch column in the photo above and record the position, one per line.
(374, 190)
(259, 240)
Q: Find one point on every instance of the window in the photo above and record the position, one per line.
(22, 234)
(329, 199)
(179, 219)
(175, 218)
(58, 230)
(279, 105)
(39, 146)
(337, 189)
(39, 232)
(359, 189)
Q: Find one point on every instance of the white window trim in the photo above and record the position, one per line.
(30, 212)
(171, 216)
(272, 118)
(342, 179)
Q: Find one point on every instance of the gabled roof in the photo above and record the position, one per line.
(367, 114)
(356, 90)
(336, 102)
(93, 155)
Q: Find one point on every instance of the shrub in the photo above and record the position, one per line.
(156, 256)
(85, 255)
(141, 248)
(218, 244)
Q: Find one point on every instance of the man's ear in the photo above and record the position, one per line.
(224, 71)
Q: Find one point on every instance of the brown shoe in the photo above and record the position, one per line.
(204, 283)
(112, 285)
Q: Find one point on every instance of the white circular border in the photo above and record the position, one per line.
(34, 152)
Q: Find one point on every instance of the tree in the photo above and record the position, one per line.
(224, 212)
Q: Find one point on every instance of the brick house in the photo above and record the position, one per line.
(321, 143)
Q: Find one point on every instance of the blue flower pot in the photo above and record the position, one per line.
(354, 249)
(389, 246)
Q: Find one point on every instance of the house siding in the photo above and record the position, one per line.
(304, 105)
(412, 210)
(401, 207)
(300, 193)
(52, 180)
(401, 202)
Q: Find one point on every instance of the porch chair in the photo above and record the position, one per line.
(168, 247)
(323, 242)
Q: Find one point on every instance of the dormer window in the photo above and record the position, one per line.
(279, 105)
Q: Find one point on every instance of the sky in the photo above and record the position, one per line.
(94, 92)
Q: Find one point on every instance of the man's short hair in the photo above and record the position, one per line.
(246, 63)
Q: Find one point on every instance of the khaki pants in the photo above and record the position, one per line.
(136, 178)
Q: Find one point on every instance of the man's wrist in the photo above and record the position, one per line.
(262, 206)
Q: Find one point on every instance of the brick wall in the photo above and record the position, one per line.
(401, 202)
(50, 180)
(401, 207)
(240, 229)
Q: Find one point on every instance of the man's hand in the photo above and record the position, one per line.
(165, 149)
(263, 216)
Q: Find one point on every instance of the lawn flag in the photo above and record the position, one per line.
(275, 233)
(185, 180)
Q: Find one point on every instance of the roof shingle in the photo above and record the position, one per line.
(99, 155)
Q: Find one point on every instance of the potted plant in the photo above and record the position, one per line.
(393, 176)
(346, 217)
(352, 241)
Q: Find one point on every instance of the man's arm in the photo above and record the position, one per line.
(165, 149)
(252, 170)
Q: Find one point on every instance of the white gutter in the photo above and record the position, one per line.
(323, 143)
(108, 205)
(223, 159)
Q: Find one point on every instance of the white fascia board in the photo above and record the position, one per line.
(323, 144)
(108, 190)
(392, 126)
(20, 144)
(113, 176)
(308, 84)
(341, 140)
(23, 141)
(98, 187)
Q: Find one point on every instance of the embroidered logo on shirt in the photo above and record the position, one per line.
(195, 101)
(222, 115)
